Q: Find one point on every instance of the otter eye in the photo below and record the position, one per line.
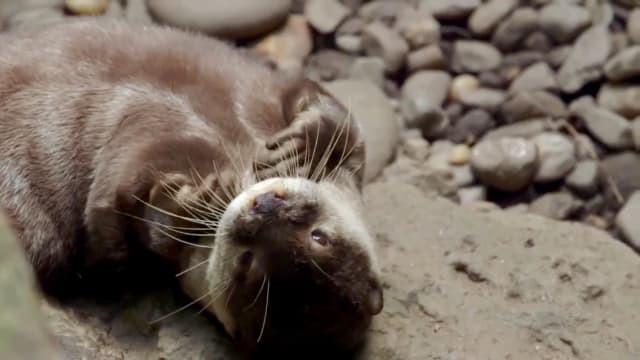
(319, 237)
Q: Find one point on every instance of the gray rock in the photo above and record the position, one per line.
(471, 126)
(229, 19)
(585, 147)
(429, 180)
(329, 64)
(532, 104)
(493, 79)
(507, 164)
(602, 12)
(373, 112)
(556, 156)
(624, 65)
(414, 146)
(558, 205)
(449, 9)
(351, 26)
(137, 12)
(385, 11)
(522, 59)
(484, 98)
(349, 43)
(564, 21)
(622, 99)
(608, 127)
(619, 42)
(325, 15)
(525, 129)
(558, 55)
(383, 42)
(429, 57)
(475, 56)
(584, 178)
(538, 76)
(584, 63)
(23, 330)
(538, 41)
(35, 18)
(635, 132)
(624, 170)
(627, 220)
(422, 96)
(471, 194)
(488, 15)
(419, 28)
(633, 25)
(512, 31)
(368, 68)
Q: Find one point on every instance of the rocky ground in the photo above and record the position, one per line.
(513, 109)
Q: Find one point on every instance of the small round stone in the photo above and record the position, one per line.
(507, 164)
(463, 84)
(460, 155)
(556, 156)
(87, 7)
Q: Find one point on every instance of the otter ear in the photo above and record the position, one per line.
(165, 215)
(375, 299)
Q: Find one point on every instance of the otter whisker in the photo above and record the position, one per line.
(223, 288)
(177, 229)
(189, 205)
(178, 310)
(264, 281)
(169, 213)
(321, 270)
(191, 268)
(184, 241)
(266, 310)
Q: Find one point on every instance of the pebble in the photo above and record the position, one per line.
(385, 11)
(558, 55)
(460, 155)
(381, 41)
(538, 76)
(525, 129)
(414, 146)
(584, 178)
(461, 84)
(556, 205)
(627, 220)
(373, 112)
(507, 164)
(635, 132)
(475, 56)
(619, 41)
(325, 15)
(471, 126)
(428, 57)
(137, 12)
(86, 7)
(556, 156)
(538, 41)
(522, 59)
(349, 43)
(532, 104)
(423, 94)
(622, 99)
(564, 21)
(328, 64)
(472, 194)
(484, 98)
(633, 25)
(512, 31)
(369, 69)
(494, 79)
(351, 26)
(488, 15)
(289, 46)
(449, 9)
(237, 19)
(418, 28)
(624, 171)
(624, 65)
(584, 63)
(608, 127)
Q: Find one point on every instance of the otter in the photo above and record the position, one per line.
(116, 137)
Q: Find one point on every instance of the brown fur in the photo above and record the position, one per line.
(94, 116)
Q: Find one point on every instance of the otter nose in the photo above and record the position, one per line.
(268, 203)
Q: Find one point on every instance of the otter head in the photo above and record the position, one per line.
(291, 263)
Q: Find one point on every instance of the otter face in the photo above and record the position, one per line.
(296, 264)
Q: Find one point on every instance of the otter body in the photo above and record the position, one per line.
(114, 137)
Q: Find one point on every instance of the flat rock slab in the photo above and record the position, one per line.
(459, 283)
